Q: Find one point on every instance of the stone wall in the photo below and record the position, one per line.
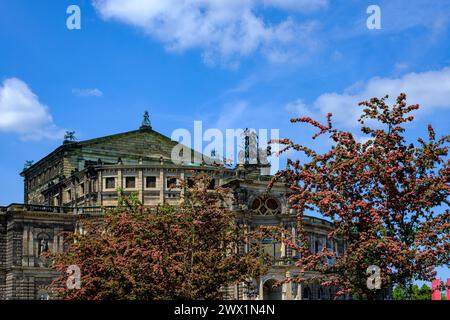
(23, 274)
(2, 255)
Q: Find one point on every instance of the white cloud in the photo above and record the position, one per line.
(224, 30)
(21, 112)
(299, 108)
(87, 92)
(430, 89)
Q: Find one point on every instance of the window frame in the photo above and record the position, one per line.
(125, 182)
(155, 182)
(69, 195)
(175, 187)
(106, 183)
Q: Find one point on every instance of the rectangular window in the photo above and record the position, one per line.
(82, 188)
(171, 182)
(130, 182)
(110, 183)
(69, 195)
(150, 182)
(268, 246)
(190, 182)
(271, 247)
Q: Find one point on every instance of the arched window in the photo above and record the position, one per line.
(265, 206)
(306, 293)
(317, 246)
(320, 294)
(43, 242)
(271, 291)
(294, 290)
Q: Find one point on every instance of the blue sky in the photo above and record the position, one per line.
(231, 64)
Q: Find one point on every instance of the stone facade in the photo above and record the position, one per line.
(24, 234)
(257, 208)
(83, 177)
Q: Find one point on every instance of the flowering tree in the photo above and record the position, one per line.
(170, 252)
(386, 198)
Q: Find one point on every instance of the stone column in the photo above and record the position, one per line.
(182, 176)
(294, 238)
(245, 290)
(119, 178)
(247, 244)
(56, 240)
(25, 245)
(161, 186)
(288, 287)
(54, 247)
(100, 188)
(140, 184)
(60, 242)
(30, 247)
(261, 289)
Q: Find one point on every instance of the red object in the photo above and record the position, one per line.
(448, 290)
(435, 290)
